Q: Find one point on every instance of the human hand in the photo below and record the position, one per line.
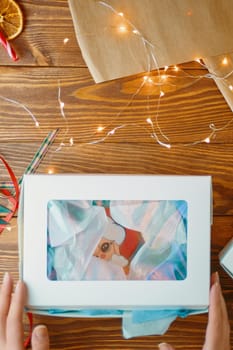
(11, 319)
(218, 328)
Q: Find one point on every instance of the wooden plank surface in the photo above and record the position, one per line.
(183, 115)
(50, 72)
(46, 25)
(137, 158)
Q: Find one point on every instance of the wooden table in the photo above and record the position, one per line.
(50, 72)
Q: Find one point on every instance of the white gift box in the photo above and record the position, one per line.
(226, 258)
(169, 212)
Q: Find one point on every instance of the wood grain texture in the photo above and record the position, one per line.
(136, 158)
(46, 25)
(185, 114)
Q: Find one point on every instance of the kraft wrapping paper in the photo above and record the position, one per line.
(178, 31)
(223, 75)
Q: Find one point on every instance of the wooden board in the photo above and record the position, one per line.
(184, 114)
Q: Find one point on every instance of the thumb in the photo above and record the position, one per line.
(40, 338)
(165, 346)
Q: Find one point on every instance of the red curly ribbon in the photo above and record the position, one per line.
(27, 341)
(13, 199)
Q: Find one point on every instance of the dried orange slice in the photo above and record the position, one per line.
(11, 19)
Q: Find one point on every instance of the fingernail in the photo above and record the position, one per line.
(41, 332)
(6, 277)
(216, 275)
(164, 346)
(18, 286)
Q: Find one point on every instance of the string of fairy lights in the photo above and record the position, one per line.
(157, 77)
(127, 27)
(154, 77)
(163, 77)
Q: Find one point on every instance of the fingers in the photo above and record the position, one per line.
(215, 278)
(165, 346)
(11, 318)
(40, 338)
(14, 324)
(218, 330)
(11, 313)
(5, 300)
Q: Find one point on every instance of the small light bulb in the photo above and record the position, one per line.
(225, 61)
(163, 77)
(71, 141)
(65, 41)
(149, 121)
(135, 31)
(198, 60)
(231, 87)
(50, 171)
(207, 140)
(165, 68)
(161, 94)
(121, 14)
(100, 128)
(176, 68)
(148, 79)
(37, 124)
(122, 28)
